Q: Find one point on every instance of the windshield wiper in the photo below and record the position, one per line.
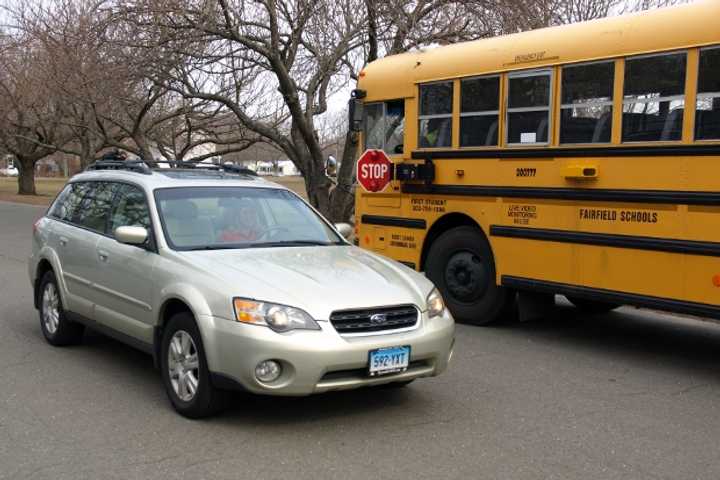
(279, 243)
(213, 247)
(293, 243)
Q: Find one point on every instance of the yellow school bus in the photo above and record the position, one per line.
(581, 160)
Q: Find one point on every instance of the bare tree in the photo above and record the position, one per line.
(274, 63)
(30, 126)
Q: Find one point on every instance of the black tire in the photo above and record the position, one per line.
(592, 306)
(461, 264)
(57, 329)
(207, 400)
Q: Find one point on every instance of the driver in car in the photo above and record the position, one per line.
(243, 224)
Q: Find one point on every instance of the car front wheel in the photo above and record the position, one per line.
(185, 371)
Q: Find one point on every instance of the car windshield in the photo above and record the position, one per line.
(210, 218)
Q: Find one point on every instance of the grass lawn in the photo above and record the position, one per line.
(47, 188)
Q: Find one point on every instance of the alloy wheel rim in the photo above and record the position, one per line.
(51, 308)
(183, 366)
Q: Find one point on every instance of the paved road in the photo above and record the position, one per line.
(629, 395)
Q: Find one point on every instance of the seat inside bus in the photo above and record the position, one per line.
(648, 127)
(584, 129)
(707, 122)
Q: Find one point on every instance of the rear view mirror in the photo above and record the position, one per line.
(345, 229)
(355, 110)
(331, 167)
(131, 235)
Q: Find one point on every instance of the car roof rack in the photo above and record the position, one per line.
(132, 165)
(111, 162)
(231, 168)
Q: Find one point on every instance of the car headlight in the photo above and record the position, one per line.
(435, 304)
(279, 318)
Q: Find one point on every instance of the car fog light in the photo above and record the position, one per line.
(268, 371)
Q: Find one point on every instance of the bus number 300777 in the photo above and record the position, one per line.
(525, 172)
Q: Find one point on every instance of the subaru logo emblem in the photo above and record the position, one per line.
(378, 318)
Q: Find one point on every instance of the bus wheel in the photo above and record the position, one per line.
(460, 263)
(592, 306)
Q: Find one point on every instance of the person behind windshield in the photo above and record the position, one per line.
(242, 223)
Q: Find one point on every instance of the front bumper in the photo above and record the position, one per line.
(319, 361)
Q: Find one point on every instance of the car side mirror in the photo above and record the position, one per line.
(131, 235)
(345, 229)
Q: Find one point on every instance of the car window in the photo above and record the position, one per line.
(95, 207)
(130, 209)
(239, 217)
(67, 205)
(60, 206)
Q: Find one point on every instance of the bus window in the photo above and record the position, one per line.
(394, 126)
(385, 126)
(479, 111)
(374, 125)
(707, 116)
(528, 117)
(435, 129)
(587, 99)
(654, 98)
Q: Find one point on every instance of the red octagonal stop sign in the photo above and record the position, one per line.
(373, 170)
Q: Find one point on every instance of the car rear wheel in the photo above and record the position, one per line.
(461, 264)
(57, 329)
(185, 371)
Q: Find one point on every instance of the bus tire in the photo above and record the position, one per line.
(461, 264)
(592, 306)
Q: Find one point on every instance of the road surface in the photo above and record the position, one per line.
(627, 395)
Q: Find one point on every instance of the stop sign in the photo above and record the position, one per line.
(373, 170)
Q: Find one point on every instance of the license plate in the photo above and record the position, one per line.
(388, 360)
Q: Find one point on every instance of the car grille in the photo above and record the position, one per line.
(374, 319)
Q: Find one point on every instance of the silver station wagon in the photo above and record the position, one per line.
(230, 282)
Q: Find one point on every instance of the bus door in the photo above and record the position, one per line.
(384, 127)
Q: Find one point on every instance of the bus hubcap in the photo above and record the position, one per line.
(465, 276)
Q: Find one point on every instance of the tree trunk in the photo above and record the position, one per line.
(342, 198)
(26, 177)
(87, 156)
(317, 186)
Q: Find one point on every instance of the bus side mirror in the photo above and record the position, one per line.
(356, 110)
(331, 167)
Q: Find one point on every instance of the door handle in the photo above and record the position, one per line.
(63, 241)
(102, 255)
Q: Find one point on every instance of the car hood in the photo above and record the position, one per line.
(317, 279)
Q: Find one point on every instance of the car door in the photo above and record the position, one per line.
(75, 247)
(125, 283)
